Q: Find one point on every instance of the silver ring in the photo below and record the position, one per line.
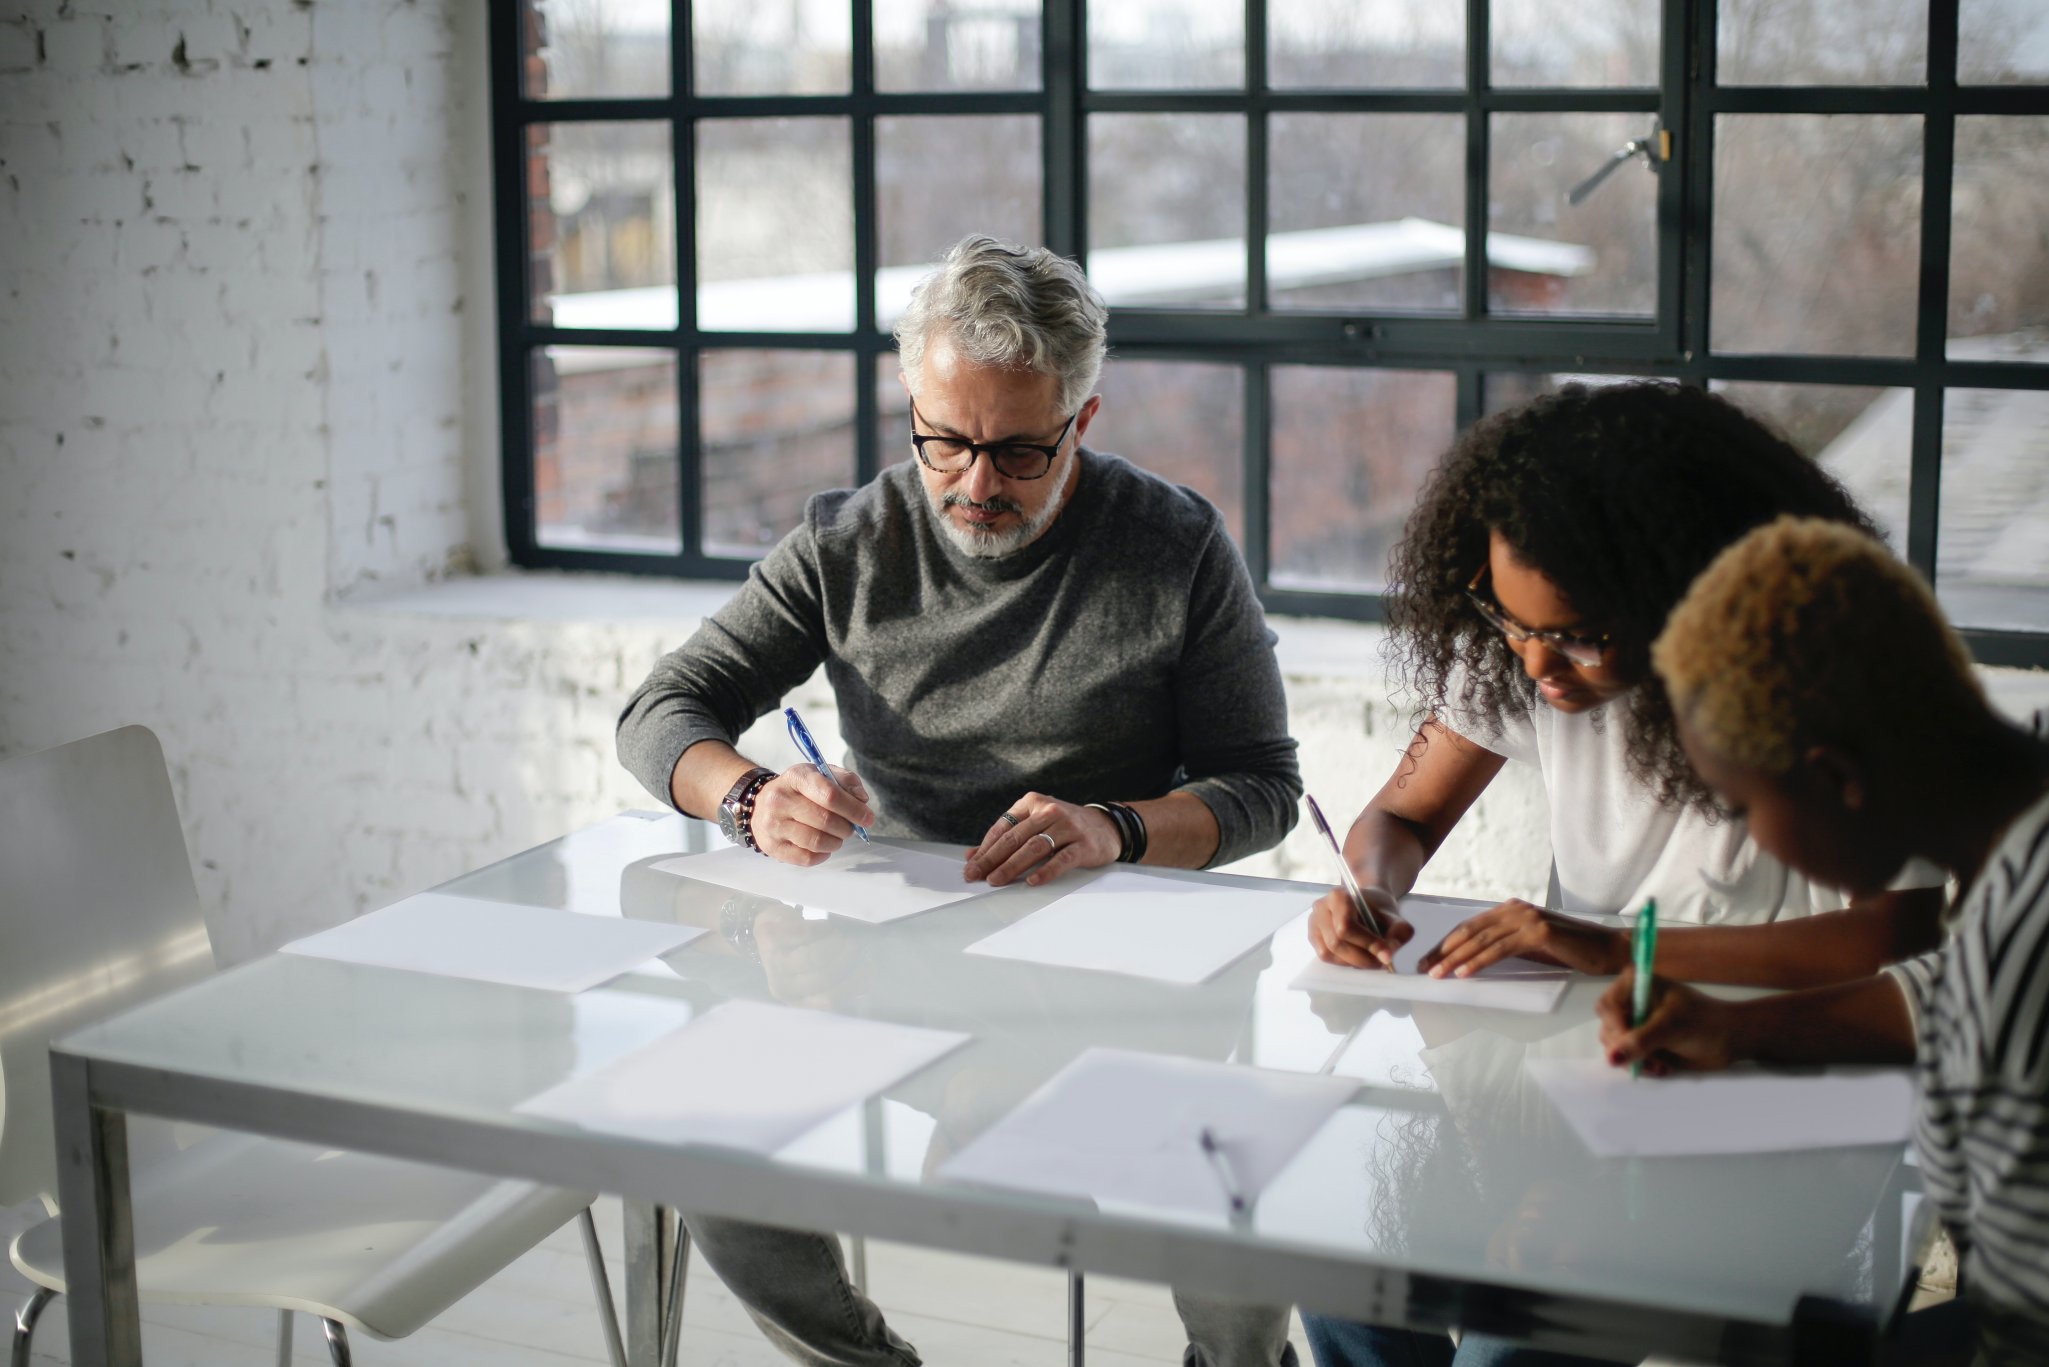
(1011, 817)
(1052, 845)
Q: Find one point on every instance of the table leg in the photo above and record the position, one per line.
(647, 1258)
(99, 1242)
(1076, 1326)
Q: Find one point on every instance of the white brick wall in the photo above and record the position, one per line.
(245, 362)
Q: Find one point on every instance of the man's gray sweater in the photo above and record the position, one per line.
(1121, 656)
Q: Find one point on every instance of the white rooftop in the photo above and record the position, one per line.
(1169, 272)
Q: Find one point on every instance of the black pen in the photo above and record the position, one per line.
(1214, 1151)
(1365, 912)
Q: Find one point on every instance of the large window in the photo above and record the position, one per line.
(1331, 232)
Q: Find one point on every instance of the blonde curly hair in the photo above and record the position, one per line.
(1810, 632)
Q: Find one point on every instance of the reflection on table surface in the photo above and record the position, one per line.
(1449, 1160)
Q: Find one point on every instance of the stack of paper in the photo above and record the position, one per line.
(874, 883)
(1507, 985)
(1744, 1111)
(745, 1075)
(1122, 1128)
(495, 942)
(1172, 929)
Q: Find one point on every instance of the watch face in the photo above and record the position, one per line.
(727, 824)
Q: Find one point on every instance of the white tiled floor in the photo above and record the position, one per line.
(538, 1313)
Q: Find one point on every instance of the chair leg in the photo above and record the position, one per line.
(25, 1324)
(860, 1261)
(337, 1343)
(672, 1304)
(608, 1314)
(284, 1338)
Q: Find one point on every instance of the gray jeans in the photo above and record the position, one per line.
(795, 1285)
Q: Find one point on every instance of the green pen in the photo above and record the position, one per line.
(1643, 945)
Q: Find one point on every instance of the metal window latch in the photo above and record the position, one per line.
(1655, 148)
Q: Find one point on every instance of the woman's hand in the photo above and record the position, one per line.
(1340, 934)
(1683, 1029)
(1518, 928)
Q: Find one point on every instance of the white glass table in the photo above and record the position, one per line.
(1448, 1191)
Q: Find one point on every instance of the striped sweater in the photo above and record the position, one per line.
(1981, 1022)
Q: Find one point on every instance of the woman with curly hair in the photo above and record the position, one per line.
(1538, 568)
(1539, 565)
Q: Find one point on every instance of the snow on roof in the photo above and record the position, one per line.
(1169, 272)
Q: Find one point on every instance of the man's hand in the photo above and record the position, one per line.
(1518, 928)
(1044, 831)
(1340, 934)
(800, 818)
(1683, 1029)
(807, 963)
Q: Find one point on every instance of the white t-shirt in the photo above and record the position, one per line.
(1615, 845)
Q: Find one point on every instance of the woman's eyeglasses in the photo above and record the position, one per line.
(1586, 651)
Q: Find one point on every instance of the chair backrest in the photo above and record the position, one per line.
(98, 913)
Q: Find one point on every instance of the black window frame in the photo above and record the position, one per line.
(1469, 346)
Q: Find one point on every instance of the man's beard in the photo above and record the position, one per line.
(987, 543)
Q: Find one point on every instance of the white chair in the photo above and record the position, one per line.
(98, 912)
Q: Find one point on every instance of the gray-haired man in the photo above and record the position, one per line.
(1039, 651)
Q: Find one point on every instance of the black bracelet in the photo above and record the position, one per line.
(1131, 836)
(743, 819)
(1109, 809)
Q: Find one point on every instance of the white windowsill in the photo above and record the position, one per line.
(1309, 646)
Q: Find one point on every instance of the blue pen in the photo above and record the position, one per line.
(808, 748)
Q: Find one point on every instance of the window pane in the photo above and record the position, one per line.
(777, 427)
(1992, 540)
(1503, 390)
(1166, 44)
(1546, 256)
(1184, 422)
(2002, 42)
(1817, 233)
(593, 49)
(601, 218)
(991, 186)
(1998, 256)
(931, 45)
(605, 472)
(1821, 42)
(1864, 437)
(1572, 42)
(1384, 43)
(1167, 209)
(775, 225)
(1366, 211)
(743, 47)
(1350, 449)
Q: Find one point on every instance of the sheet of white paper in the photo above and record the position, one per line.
(593, 857)
(496, 942)
(1165, 928)
(873, 883)
(1124, 1129)
(1509, 985)
(1518, 993)
(1744, 1111)
(745, 1075)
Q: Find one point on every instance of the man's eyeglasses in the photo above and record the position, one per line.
(1012, 459)
(1585, 651)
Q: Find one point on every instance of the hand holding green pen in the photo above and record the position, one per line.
(1643, 944)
